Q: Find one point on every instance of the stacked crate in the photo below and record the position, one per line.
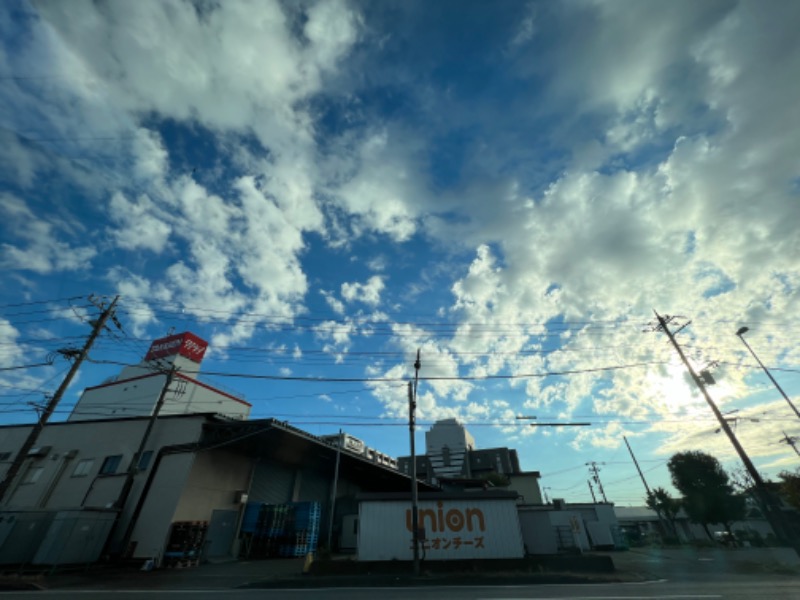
(287, 530)
(305, 535)
(185, 544)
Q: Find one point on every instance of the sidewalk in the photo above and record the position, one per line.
(208, 576)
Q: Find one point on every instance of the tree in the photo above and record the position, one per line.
(789, 486)
(666, 507)
(707, 494)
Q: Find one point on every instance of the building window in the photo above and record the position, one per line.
(32, 475)
(144, 460)
(83, 468)
(111, 464)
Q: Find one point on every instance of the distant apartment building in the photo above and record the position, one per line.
(451, 454)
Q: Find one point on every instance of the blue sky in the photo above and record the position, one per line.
(322, 188)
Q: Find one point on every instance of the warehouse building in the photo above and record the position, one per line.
(156, 458)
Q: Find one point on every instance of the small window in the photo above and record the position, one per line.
(111, 464)
(144, 460)
(83, 468)
(32, 475)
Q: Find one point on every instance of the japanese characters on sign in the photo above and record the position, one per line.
(186, 344)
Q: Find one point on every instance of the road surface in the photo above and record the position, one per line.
(733, 588)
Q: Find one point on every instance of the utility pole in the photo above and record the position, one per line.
(334, 490)
(740, 335)
(791, 441)
(591, 491)
(661, 519)
(596, 478)
(412, 407)
(33, 436)
(772, 511)
(635, 462)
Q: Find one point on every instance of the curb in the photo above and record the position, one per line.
(390, 581)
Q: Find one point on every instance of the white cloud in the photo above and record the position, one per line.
(140, 225)
(336, 305)
(368, 293)
(39, 250)
(384, 194)
(650, 165)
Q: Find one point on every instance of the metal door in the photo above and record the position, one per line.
(221, 531)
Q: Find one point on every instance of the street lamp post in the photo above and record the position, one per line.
(740, 334)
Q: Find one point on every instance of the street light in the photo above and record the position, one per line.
(740, 334)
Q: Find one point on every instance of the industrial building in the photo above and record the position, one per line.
(156, 464)
(140, 464)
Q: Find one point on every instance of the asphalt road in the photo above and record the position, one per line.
(736, 587)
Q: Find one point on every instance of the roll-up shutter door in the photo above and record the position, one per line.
(315, 487)
(272, 484)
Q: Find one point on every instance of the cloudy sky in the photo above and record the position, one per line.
(322, 188)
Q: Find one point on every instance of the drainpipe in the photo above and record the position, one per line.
(237, 540)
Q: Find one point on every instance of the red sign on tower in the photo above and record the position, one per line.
(186, 344)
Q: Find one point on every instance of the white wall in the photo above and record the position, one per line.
(527, 486)
(138, 397)
(154, 522)
(455, 529)
(191, 397)
(215, 477)
(58, 487)
(126, 398)
(571, 519)
(538, 534)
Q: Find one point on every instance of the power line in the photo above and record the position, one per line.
(400, 379)
(36, 302)
(31, 366)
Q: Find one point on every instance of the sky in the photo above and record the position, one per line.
(322, 189)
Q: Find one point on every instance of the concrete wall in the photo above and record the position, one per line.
(58, 485)
(60, 488)
(138, 397)
(527, 486)
(152, 528)
(538, 534)
(194, 397)
(125, 398)
(571, 524)
(214, 478)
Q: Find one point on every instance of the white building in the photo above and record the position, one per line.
(85, 477)
(136, 390)
(447, 443)
(139, 463)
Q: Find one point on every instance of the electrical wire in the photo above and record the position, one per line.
(401, 379)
